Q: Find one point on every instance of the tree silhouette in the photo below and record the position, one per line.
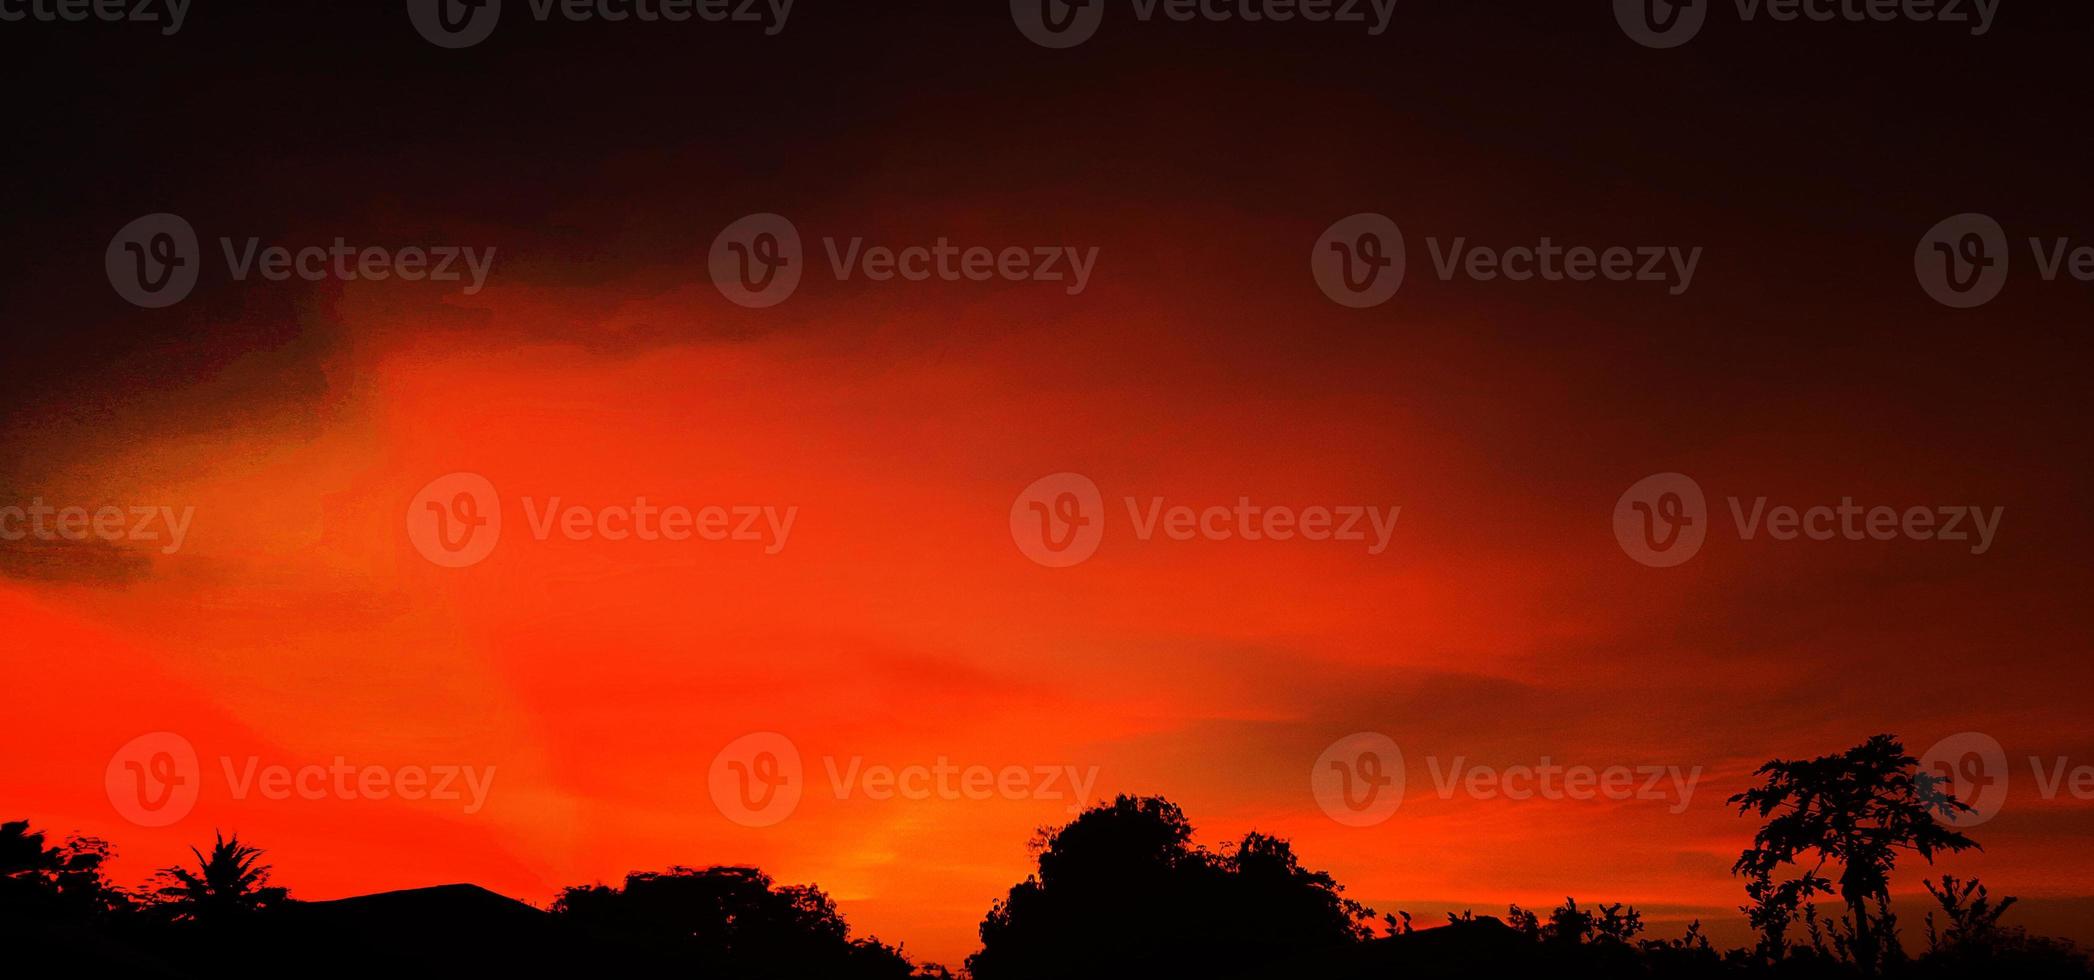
(1121, 891)
(734, 920)
(27, 869)
(226, 883)
(1857, 810)
(64, 881)
(1569, 924)
(1617, 924)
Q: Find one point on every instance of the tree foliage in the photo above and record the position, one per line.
(227, 883)
(1853, 812)
(1122, 891)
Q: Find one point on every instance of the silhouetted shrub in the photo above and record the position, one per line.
(732, 921)
(1121, 891)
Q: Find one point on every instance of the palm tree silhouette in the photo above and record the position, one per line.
(227, 882)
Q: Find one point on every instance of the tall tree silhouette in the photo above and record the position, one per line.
(1857, 809)
(228, 882)
(1121, 891)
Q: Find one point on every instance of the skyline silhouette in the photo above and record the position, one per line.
(1120, 891)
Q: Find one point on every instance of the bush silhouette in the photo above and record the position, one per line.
(55, 882)
(1968, 940)
(732, 920)
(1121, 891)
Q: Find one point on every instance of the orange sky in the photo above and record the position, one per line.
(900, 624)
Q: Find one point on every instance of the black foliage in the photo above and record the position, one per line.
(1122, 891)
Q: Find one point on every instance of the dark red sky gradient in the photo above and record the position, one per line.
(900, 624)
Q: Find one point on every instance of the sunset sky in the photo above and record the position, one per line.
(900, 624)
